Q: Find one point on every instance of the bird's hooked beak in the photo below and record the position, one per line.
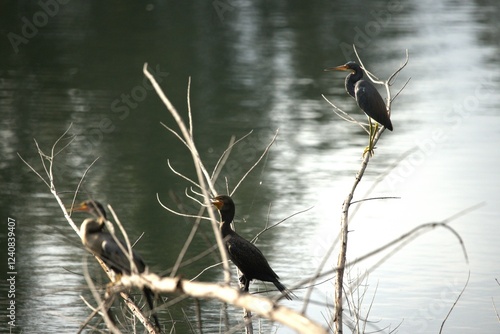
(217, 203)
(82, 207)
(337, 68)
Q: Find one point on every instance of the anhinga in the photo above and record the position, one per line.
(103, 245)
(244, 254)
(367, 97)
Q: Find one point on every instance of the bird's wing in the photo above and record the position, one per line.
(115, 258)
(372, 103)
(249, 259)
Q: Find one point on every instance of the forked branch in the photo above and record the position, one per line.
(341, 263)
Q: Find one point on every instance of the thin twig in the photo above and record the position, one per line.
(402, 88)
(181, 175)
(345, 116)
(454, 304)
(390, 80)
(268, 147)
(104, 311)
(80, 184)
(188, 241)
(495, 308)
(267, 228)
(177, 212)
(175, 134)
(190, 116)
(410, 235)
(127, 251)
(225, 155)
(375, 198)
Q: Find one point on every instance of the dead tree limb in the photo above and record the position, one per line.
(339, 280)
(264, 307)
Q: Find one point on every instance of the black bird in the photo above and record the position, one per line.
(365, 94)
(245, 255)
(102, 244)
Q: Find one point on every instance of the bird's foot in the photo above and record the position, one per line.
(370, 150)
(245, 282)
(111, 285)
(373, 131)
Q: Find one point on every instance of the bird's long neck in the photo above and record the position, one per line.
(89, 226)
(351, 79)
(227, 218)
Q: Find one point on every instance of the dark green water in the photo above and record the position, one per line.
(253, 67)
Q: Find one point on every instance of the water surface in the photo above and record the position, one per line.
(258, 67)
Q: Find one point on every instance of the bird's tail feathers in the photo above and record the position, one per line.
(149, 298)
(287, 293)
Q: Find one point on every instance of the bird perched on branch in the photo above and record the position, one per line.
(111, 249)
(244, 254)
(367, 97)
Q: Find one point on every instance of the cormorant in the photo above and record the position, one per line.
(367, 97)
(102, 244)
(244, 254)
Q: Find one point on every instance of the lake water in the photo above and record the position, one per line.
(257, 67)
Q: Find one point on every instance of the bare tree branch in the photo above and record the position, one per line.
(268, 147)
(261, 306)
(455, 303)
(341, 263)
(51, 185)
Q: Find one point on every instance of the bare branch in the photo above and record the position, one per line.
(495, 308)
(44, 157)
(205, 269)
(103, 306)
(177, 212)
(194, 198)
(200, 170)
(128, 250)
(390, 81)
(267, 228)
(268, 147)
(181, 175)
(188, 97)
(225, 155)
(341, 264)
(375, 198)
(345, 116)
(80, 184)
(33, 170)
(51, 175)
(372, 77)
(187, 243)
(261, 306)
(455, 303)
(405, 238)
(402, 88)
